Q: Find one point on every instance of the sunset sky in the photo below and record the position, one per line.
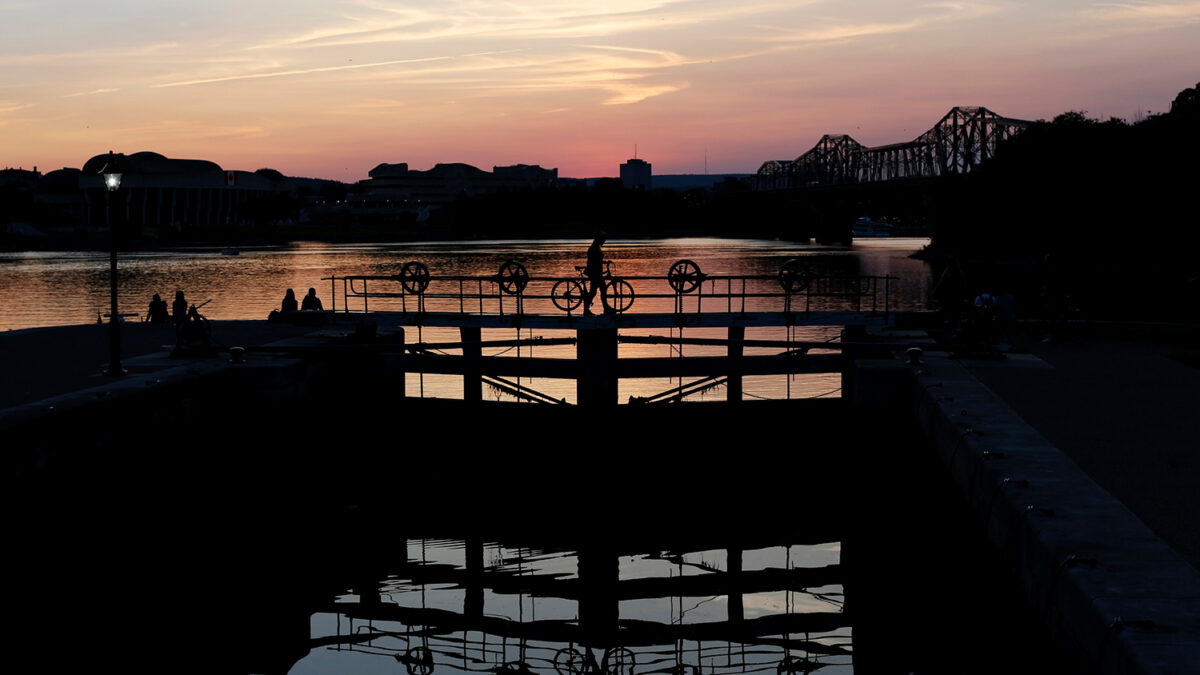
(331, 89)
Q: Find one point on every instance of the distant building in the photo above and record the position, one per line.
(682, 182)
(21, 179)
(396, 187)
(160, 191)
(635, 174)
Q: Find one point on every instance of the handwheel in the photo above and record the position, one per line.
(415, 277)
(795, 275)
(513, 277)
(684, 276)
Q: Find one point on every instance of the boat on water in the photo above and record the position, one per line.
(866, 227)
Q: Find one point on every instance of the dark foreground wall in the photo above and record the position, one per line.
(1117, 597)
(194, 520)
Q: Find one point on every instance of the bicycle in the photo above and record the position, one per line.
(568, 294)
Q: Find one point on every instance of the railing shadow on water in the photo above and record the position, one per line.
(683, 611)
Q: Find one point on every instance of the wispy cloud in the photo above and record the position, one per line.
(174, 129)
(1107, 20)
(105, 90)
(622, 75)
(839, 32)
(378, 22)
(298, 71)
(1162, 13)
(6, 107)
(377, 104)
(633, 93)
(117, 54)
(934, 13)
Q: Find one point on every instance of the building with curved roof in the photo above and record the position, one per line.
(161, 191)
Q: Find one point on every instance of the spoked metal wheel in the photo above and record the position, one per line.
(795, 275)
(684, 276)
(513, 277)
(415, 277)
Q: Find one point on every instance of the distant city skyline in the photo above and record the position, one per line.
(332, 89)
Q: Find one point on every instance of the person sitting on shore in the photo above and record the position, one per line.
(289, 301)
(194, 335)
(311, 301)
(158, 311)
(179, 308)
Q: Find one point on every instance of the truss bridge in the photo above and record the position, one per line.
(960, 141)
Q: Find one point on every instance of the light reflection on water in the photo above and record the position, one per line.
(49, 288)
(513, 627)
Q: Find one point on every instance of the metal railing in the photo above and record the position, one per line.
(795, 289)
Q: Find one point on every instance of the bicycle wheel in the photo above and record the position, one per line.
(620, 295)
(567, 294)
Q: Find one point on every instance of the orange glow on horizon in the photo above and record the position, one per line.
(333, 89)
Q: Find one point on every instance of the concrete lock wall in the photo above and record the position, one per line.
(1116, 596)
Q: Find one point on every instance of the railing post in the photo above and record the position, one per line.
(733, 388)
(472, 354)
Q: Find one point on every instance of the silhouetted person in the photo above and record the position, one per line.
(194, 334)
(289, 301)
(158, 311)
(311, 301)
(179, 308)
(950, 292)
(594, 271)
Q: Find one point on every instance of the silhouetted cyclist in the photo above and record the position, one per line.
(595, 275)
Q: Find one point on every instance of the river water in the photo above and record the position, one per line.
(48, 288)
(63, 288)
(757, 583)
(536, 606)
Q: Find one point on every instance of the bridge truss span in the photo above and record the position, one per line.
(961, 140)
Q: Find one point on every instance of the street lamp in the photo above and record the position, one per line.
(111, 173)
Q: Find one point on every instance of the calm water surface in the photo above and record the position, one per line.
(409, 617)
(445, 605)
(63, 288)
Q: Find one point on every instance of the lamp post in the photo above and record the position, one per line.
(111, 173)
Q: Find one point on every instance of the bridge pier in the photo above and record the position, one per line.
(472, 353)
(733, 388)
(599, 609)
(596, 352)
(733, 565)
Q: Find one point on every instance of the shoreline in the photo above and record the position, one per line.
(101, 244)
